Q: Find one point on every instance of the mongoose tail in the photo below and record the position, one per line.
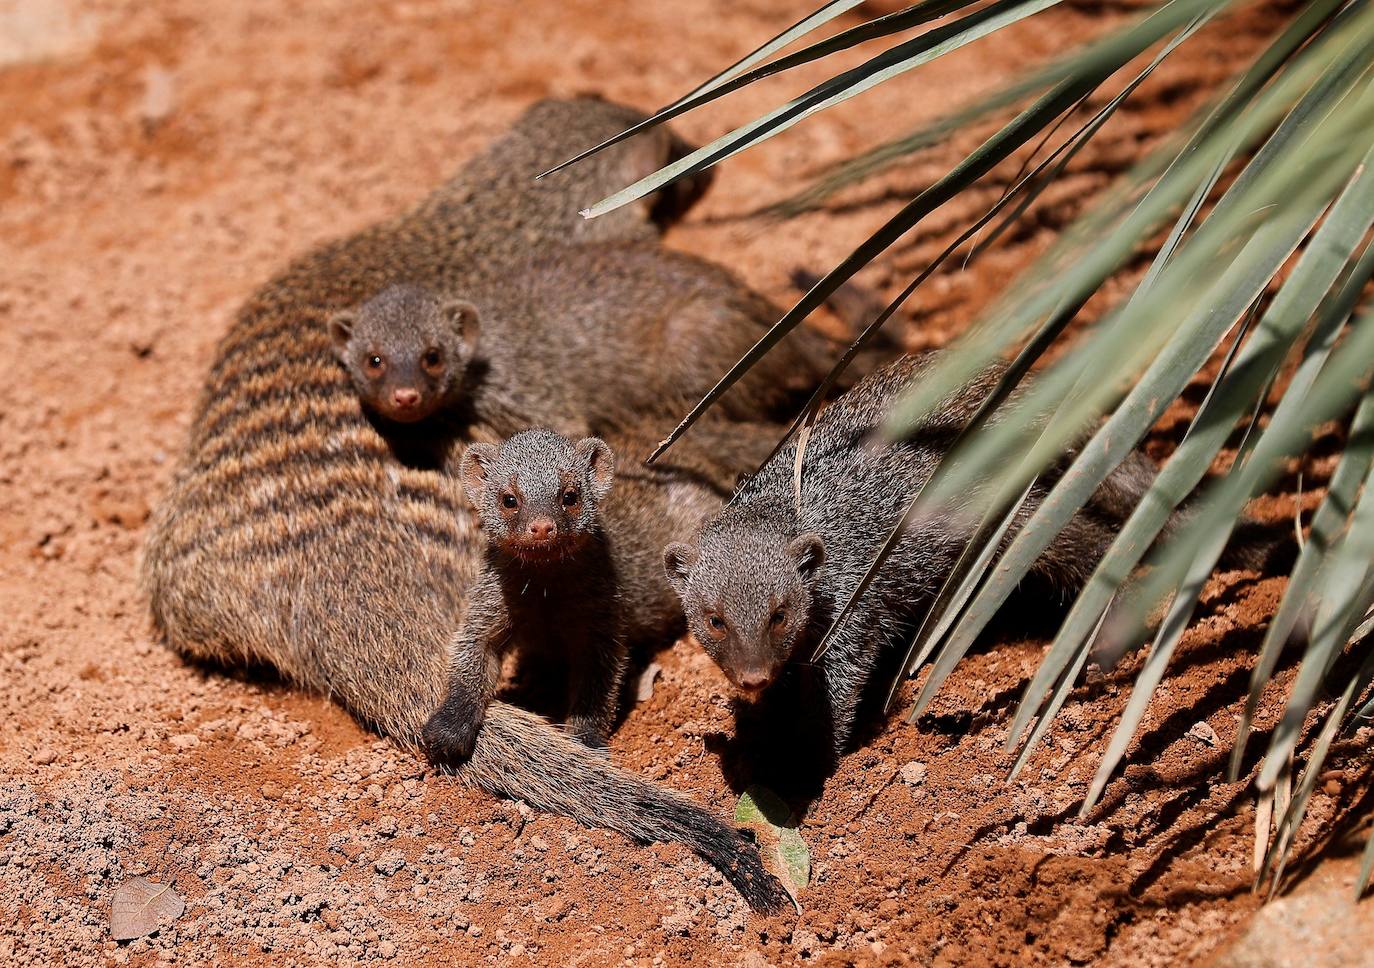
(519, 755)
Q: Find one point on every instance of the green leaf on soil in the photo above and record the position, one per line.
(785, 854)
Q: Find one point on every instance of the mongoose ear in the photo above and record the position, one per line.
(678, 559)
(341, 329)
(809, 551)
(462, 316)
(473, 470)
(600, 460)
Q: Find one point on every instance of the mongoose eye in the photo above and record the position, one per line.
(570, 497)
(510, 501)
(375, 364)
(432, 361)
(716, 621)
(777, 618)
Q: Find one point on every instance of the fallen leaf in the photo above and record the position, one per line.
(141, 907)
(785, 854)
(644, 691)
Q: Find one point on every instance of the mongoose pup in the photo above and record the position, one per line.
(292, 536)
(573, 564)
(764, 578)
(584, 339)
(549, 585)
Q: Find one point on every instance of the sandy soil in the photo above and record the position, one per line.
(157, 162)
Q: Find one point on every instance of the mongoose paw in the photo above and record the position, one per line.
(451, 733)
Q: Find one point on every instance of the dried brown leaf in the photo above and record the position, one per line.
(141, 907)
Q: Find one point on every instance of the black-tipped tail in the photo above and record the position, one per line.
(520, 755)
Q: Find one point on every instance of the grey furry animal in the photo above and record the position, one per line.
(573, 564)
(292, 535)
(761, 581)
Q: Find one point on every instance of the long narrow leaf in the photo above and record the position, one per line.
(1350, 218)
(1090, 251)
(1109, 446)
(1012, 136)
(1298, 31)
(885, 66)
(729, 82)
(822, 16)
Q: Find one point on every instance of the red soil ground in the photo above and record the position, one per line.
(158, 161)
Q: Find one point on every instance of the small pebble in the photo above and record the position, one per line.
(913, 773)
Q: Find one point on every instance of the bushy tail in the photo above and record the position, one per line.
(520, 755)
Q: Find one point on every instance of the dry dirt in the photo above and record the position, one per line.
(160, 160)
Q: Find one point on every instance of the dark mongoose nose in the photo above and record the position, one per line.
(541, 529)
(752, 681)
(405, 397)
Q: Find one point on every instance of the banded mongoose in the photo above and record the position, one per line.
(548, 586)
(572, 572)
(406, 351)
(584, 339)
(763, 579)
(291, 535)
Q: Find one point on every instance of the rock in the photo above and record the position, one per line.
(185, 741)
(913, 773)
(1318, 925)
(45, 756)
(1203, 734)
(389, 863)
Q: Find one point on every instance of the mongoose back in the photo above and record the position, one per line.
(292, 536)
(762, 580)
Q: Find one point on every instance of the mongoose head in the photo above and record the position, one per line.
(538, 493)
(747, 590)
(406, 350)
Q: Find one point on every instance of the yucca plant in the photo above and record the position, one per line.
(1277, 165)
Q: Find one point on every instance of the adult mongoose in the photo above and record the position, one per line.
(766, 576)
(292, 536)
(572, 573)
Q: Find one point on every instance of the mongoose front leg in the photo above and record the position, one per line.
(598, 669)
(474, 672)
